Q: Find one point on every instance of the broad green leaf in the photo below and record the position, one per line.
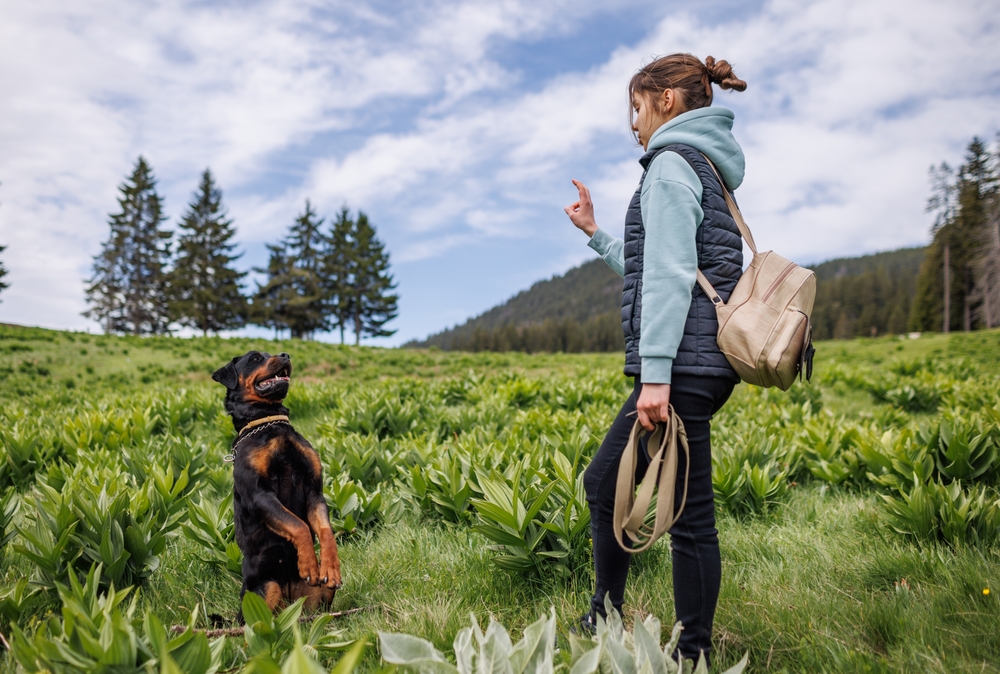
(255, 609)
(464, 651)
(494, 650)
(349, 661)
(195, 656)
(589, 661)
(739, 666)
(534, 653)
(647, 649)
(619, 659)
(300, 662)
(404, 649)
(289, 616)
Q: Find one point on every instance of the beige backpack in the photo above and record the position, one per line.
(764, 329)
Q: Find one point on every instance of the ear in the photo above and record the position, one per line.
(226, 375)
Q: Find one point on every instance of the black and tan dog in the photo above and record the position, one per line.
(277, 488)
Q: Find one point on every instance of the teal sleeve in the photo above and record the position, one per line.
(612, 250)
(671, 215)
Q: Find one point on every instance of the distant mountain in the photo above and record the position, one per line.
(588, 295)
(866, 296)
(581, 309)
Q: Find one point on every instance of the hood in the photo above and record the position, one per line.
(709, 130)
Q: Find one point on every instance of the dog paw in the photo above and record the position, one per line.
(330, 576)
(309, 572)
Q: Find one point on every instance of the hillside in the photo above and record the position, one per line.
(866, 296)
(586, 295)
(580, 310)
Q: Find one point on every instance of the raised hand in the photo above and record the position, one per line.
(581, 213)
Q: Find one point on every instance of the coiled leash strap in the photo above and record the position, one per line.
(631, 507)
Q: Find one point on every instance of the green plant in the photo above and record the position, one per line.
(894, 460)
(98, 633)
(613, 651)
(827, 447)
(24, 451)
(10, 503)
(211, 526)
(933, 510)
(912, 394)
(509, 513)
(272, 639)
(617, 650)
(445, 492)
(351, 507)
(963, 448)
(492, 651)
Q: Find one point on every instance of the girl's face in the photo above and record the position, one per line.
(652, 113)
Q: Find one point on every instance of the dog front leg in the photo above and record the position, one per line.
(283, 522)
(329, 565)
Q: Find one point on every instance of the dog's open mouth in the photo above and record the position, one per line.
(269, 383)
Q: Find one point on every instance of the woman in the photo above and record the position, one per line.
(677, 222)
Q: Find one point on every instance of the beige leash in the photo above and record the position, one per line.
(631, 506)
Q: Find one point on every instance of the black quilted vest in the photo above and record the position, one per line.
(720, 258)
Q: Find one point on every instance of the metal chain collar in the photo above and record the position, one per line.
(231, 457)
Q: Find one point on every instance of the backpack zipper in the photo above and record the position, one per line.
(774, 284)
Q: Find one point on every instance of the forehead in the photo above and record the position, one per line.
(252, 357)
(640, 97)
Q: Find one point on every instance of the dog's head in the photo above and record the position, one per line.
(254, 381)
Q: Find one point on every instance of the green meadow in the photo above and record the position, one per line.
(859, 515)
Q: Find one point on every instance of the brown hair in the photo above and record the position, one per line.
(685, 74)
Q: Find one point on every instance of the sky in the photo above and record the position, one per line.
(457, 127)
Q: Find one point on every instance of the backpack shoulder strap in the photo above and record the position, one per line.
(734, 210)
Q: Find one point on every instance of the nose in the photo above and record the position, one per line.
(284, 355)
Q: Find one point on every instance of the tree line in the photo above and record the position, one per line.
(952, 284)
(865, 296)
(3, 272)
(323, 275)
(959, 283)
(599, 333)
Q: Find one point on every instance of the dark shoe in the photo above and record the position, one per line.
(586, 626)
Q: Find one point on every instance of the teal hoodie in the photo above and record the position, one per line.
(671, 215)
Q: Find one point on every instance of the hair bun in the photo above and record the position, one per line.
(721, 73)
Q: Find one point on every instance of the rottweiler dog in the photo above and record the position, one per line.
(277, 489)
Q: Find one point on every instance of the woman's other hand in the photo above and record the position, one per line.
(653, 405)
(582, 212)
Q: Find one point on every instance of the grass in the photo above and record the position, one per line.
(815, 586)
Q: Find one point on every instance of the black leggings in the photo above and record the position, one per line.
(694, 540)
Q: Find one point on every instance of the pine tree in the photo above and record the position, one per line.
(960, 202)
(205, 289)
(338, 263)
(986, 262)
(372, 304)
(268, 303)
(3, 272)
(293, 296)
(128, 290)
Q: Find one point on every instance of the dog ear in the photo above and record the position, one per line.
(226, 375)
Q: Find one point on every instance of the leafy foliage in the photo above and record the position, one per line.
(612, 651)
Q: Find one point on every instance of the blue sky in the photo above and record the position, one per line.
(457, 126)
